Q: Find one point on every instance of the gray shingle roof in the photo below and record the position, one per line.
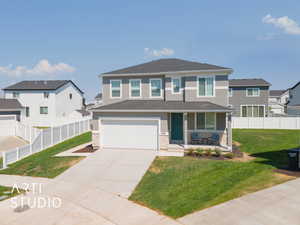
(276, 92)
(160, 106)
(167, 65)
(39, 85)
(248, 82)
(9, 104)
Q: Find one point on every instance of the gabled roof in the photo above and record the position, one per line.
(248, 82)
(295, 85)
(276, 93)
(47, 85)
(98, 96)
(161, 106)
(167, 65)
(9, 104)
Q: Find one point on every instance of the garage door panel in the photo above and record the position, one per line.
(129, 134)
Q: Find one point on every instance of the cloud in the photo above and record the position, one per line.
(158, 53)
(43, 67)
(288, 25)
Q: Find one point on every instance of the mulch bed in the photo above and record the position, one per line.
(288, 172)
(87, 149)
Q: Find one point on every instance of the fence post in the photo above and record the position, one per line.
(60, 128)
(51, 135)
(18, 153)
(4, 160)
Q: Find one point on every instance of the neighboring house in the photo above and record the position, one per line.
(46, 102)
(277, 102)
(163, 102)
(98, 99)
(249, 97)
(11, 107)
(293, 104)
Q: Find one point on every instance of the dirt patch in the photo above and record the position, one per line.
(87, 149)
(245, 158)
(155, 170)
(290, 173)
(237, 144)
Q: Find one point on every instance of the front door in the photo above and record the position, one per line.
(177, 127)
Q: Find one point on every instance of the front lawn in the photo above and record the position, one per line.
(44, 164)
(179, 186)
(7, 192)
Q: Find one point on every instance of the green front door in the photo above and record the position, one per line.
(176, 126)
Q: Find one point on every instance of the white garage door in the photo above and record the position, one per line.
(7, 125)
(129, 134)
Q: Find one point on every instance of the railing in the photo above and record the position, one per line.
(291, 123)
(44, 139)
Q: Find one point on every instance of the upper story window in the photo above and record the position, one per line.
(27, 111)
(230, 92)
(176, 85)
(253, 92)
(70, 96)
(16, 94)
(115, 88)
(135, 88)
(43, 110)
(155, 87)
(46, 94)
(206, 86)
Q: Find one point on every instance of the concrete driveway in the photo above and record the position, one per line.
(11, 142)
(111, 170)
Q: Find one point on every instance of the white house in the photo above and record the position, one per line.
(46, 102)
(277, 101)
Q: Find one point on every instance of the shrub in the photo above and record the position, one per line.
(208, 152)
(229, 155)
(190, 152)
(218, 153)
(199, 152)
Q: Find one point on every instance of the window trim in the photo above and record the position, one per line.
(27, 111)
(241, 110)
(230, 92)
(150, 88)
(111, 88)
(252, 92)
(195, 121)
(214, 86)
(44, 113)
(172, 85)
(140, 88)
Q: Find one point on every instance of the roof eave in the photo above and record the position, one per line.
(161, 110)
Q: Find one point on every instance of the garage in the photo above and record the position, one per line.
(129, 134)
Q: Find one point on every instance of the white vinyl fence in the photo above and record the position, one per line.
(289, 123)
(26, 132)
(44, 139)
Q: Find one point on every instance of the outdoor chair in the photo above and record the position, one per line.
(214, 139)
(196, 138)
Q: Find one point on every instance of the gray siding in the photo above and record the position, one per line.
(293, 110)
(188, 82)
(294, 96)
(163, 117)
(239, 98)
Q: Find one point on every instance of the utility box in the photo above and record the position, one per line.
(293, 155)
(95, 139)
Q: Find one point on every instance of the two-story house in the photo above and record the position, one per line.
(293, 104)
(163, 102)
(249, 97)
(46, 102)
(277, 102)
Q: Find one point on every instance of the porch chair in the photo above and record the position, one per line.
(214, 139)
(196, 138)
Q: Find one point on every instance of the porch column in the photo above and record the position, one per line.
(185, 129)
(229, 131)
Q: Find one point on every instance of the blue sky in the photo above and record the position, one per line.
(81, 39)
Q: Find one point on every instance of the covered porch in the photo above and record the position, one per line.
(207, 130)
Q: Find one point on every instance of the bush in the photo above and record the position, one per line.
(190, 152)
(229, 155)
(218, 153)
(208, 152)
(199, 152)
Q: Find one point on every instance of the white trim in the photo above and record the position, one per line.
(157, 119)
(140, 88)
(188, 72)
(111, 88)
(252, 92)
(241, 111)
(161, 88)
(172, 85)
(190, 88)
(221, 87)
(230, 93)
(214, 86)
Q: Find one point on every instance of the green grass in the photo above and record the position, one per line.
(11, 193)
(44, 164)
(179, 186)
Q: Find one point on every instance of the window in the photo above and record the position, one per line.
(252, 110)
(206, 121)
(253, 92)
(46, 94)
(70, 96)
(176, 85)
(155, 87)
(206, 86)
(43, 110)
(135, 88)
(16, 94)
(27, 111)
(230, 92)
(115, 87)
